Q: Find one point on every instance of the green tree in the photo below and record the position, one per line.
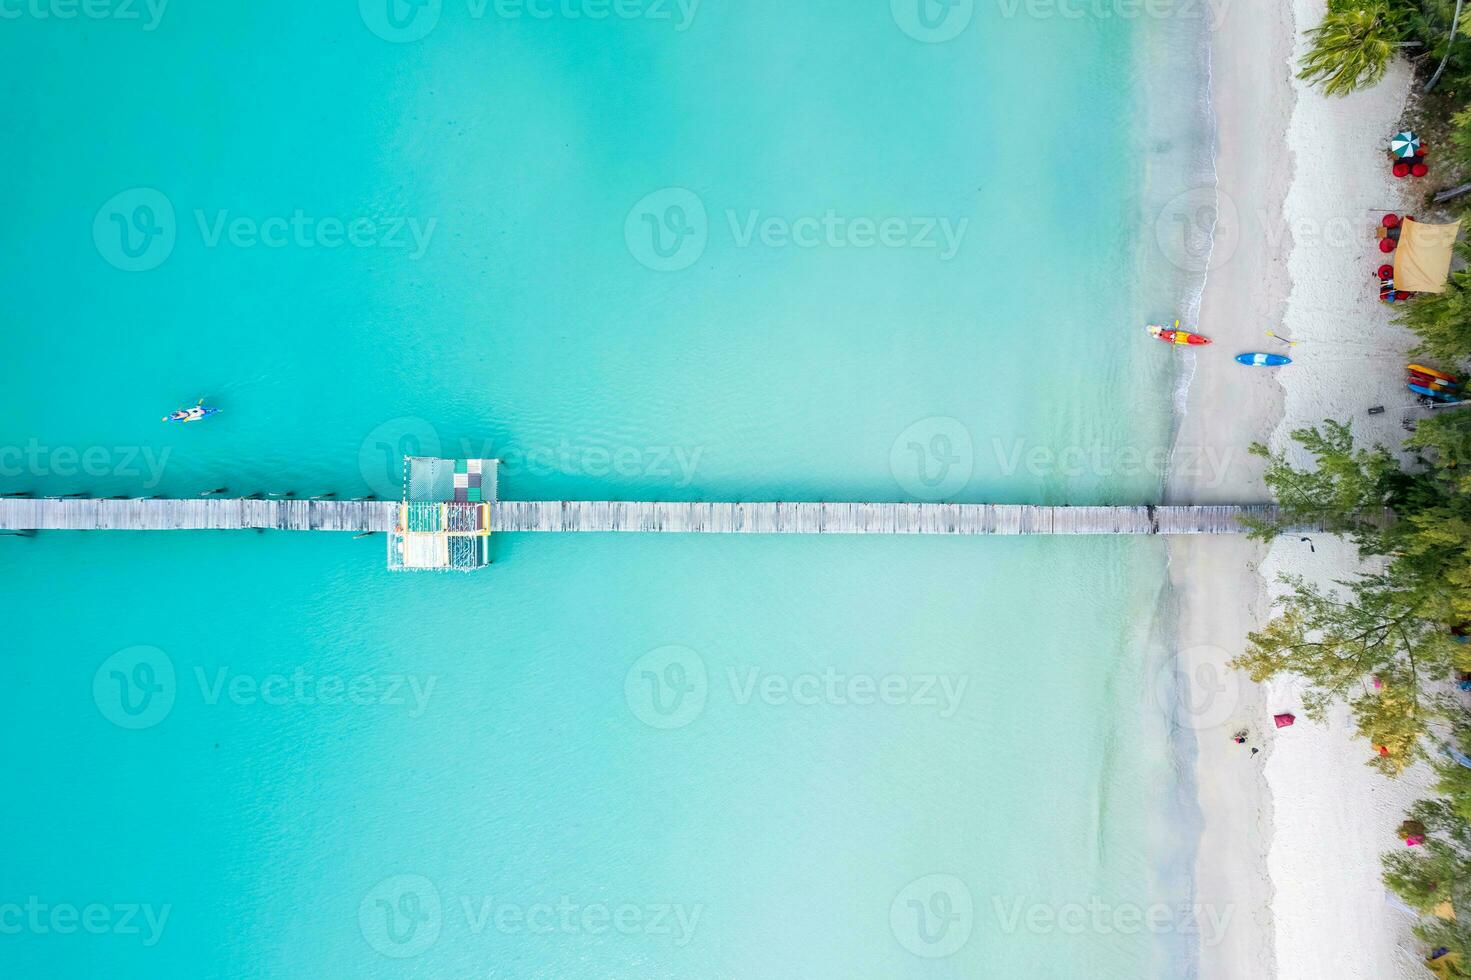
(1345, 492)
(1439, 871)
(1451, 37)
(1433, 536)
(1351, 48)
(1443, 320)
(1340, 641)
(1393, 624)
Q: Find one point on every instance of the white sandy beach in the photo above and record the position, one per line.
(1292, 837)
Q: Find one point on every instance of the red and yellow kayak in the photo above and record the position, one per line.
(1432, 373)
(1439, 384)
(1174, 335)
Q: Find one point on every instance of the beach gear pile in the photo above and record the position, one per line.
(1422, 256)
(1388, 234)
(1408, 152)
(1391, 227)
(1387, 292)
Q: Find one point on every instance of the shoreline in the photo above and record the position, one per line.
(1293, 252)
(1221, 410)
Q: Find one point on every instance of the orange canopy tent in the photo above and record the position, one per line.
(1422, 262)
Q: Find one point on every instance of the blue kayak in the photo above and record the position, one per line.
(1262, 360)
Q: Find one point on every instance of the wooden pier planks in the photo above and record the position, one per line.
(359, 516)
(202, 514)
(863, 518)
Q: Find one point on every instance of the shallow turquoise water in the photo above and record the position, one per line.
(528, 152)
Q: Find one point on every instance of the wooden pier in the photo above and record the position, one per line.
(200, 514)
(556, 516)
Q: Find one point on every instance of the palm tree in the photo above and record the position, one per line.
(1455, 24)
(1351, 50)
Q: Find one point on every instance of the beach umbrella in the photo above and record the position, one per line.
(1405, 144)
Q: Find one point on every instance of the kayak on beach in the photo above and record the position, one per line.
(1435, 393)
(1174, 335)
(1432, 373)
(1263, 360)
(1436, 383)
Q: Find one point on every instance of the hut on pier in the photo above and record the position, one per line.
(444, 520)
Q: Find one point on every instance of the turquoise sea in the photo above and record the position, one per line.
(638, 249)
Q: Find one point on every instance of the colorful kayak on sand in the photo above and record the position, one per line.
(1429, 382)
(1432, 373)
(1174, 335)
(196, 414)
(1263, 360)
(1438, 395)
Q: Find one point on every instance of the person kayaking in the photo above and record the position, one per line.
(1174, 335)
(198, 412)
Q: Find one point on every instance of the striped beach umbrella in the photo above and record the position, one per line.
(1405, 145)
